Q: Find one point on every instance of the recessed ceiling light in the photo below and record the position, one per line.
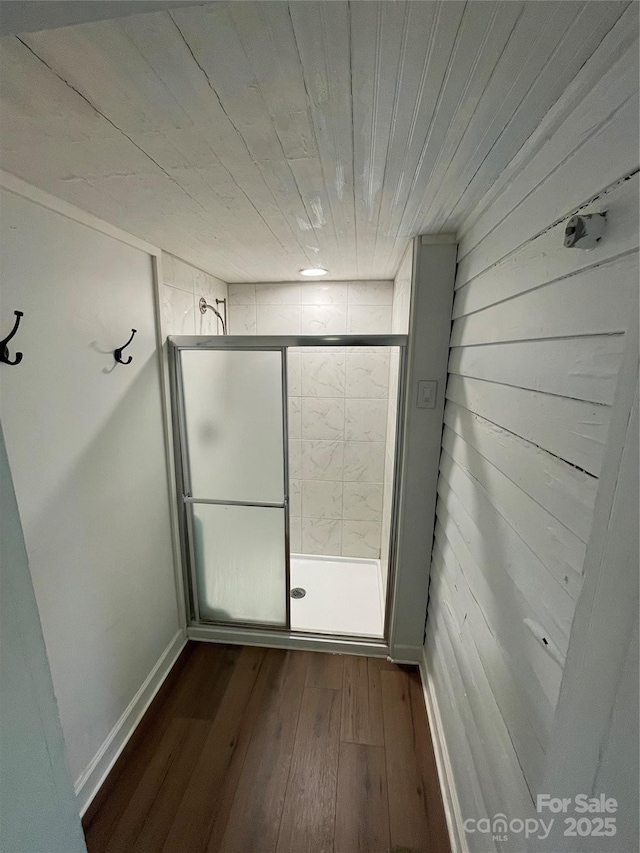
(314, 271)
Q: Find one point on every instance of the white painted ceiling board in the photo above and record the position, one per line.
(253, 139)
(548, 47)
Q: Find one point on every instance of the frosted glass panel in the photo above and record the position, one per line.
(240, 563)
(233, 410)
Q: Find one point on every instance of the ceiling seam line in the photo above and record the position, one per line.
(241, 137)
(284, 156)
(311, 113)
(488, 83)
(112, 123)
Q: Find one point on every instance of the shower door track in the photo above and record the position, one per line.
(273, 635)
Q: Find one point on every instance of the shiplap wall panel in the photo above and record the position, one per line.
(545, 259)
(616, 42)
(571, 429)
(518, 62)
(606, 154)
(495, 757)
(449, 670)
(519, 652)
(551, 605)
(591, 365)
(503, 608)
(470, 796)
(591, 302)
(481, 645)
(537, 345)
(561, 551)
(594, 113)
(567, 493)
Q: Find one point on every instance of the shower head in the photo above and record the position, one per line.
(203, 310)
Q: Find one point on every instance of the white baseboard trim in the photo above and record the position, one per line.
(453, 814)
(88, 784)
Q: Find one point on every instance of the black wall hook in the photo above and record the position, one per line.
(4, 350)
(118, 352)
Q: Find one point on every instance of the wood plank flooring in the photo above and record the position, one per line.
(248, 750)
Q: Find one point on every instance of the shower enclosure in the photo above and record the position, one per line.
(230, 411)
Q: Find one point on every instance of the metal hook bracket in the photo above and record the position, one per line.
(4, 350)
(118, 352)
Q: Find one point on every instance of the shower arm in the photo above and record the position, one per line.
(203, 310)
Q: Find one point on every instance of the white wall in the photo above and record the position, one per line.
(86, 447)
(37, 802)
(338, 402)
(536, 346)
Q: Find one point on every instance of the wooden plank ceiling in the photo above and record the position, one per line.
(256, 138)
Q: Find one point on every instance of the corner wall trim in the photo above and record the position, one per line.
(400, 653)
(88, 784)
(452, 811)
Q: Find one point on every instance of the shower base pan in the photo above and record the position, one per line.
(342, 595)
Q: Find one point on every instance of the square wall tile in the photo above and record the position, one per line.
(322, 417)
(362, 501)
(321, 536)
(242, 294)
(324, 319)
(327, 293)
(371, 293)
(369, 320)
(184, 276)
(323, 374)
(363, 461)
(322, 498)
(178, 314)
(205, 285)
(361, 539)
(294, 367)
(167, 269)
(295, 534)
(278, 319)
(278, 293)
(365, 420)
(367, 374)
(295, 497)
(242, 319)
(294, 417)
(322, 460)
(295, 459)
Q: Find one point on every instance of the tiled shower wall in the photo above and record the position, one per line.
(338, 407)
(182, 287)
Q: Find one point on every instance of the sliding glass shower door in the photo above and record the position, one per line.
(234, 471)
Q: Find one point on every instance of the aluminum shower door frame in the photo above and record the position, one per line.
(253, 633)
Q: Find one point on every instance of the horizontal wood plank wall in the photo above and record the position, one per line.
(537, 343)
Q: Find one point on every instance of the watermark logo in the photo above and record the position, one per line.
(581, 815)
(501, 828)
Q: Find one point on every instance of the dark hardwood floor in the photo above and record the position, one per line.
(248, 750)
